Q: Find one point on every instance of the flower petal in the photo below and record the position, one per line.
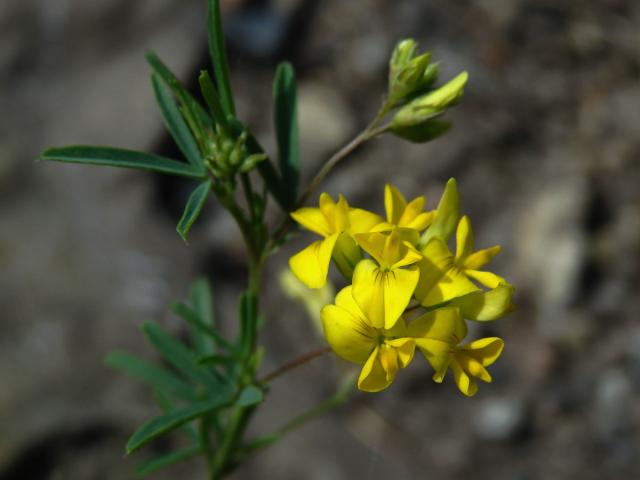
(373, 377)
(473, 367)
(480, 258)
(394, 204)
(311, 265)
(488, 279)
(347, 334)
(362, 221)
(465, 383)
(440, 280)
(444, 324)
(383, 296)
(312, 219)
(485, 306)
(485, 350)
(464, 239)
(405, 347)
(437, 353)
(346, 255)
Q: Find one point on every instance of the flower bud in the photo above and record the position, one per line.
(430, 105)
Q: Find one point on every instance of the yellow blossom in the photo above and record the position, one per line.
(444, 277)
(381, 351)
(383, 288)
(402, 214)
(466, 362)
(337, 223)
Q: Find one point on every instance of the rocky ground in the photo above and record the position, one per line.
(545, 148)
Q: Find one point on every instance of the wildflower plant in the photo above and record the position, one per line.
(405, 290)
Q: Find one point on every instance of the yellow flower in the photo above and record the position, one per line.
(337, 223)
(384, 289)
(466, 362)
(444, 277)
(402, 214)
(381, 351)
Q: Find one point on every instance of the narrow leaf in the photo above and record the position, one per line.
(193, 208)
(286, 124)
(167, 406)
(219, 56)
(211, 97)
(166, 423)
(163, 461)
(197, 116)
(117, 157)
(180, 356)
(176, 125)
(201, 300)
(151, 374)
(250, 395)
(191, 317)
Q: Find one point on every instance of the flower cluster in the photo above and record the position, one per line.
(407, 289)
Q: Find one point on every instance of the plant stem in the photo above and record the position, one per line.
(371, 131)
(240, 416)
(296, 362)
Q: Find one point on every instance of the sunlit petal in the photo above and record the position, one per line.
(373, 377)
(311, 265)
(480, 258)
(488, 279)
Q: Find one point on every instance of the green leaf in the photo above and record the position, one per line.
(180, 356)
(191, 317)
(250, 395)
(167, 406)
(213, 100)
(176, 124)
(193, 208)
(166, 423)
(219, 56)
(151, 374)
(195, 114)
(201, 300)
(286, 124)
(423, 132)
(117, 157)
(163, 461)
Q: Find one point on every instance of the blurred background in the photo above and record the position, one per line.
(545, 148)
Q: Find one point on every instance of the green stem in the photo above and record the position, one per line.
(240, 416)
(371, 131)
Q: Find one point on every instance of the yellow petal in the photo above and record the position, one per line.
(389, 360)
(311, 265)
(373, 377)
(444, 324)
(345, 300)
(440, 280)
(472, 367)
(464, 239)
(437, 353)
(394, 204)
(447, 215)
(362, 221)
(485, 350)
(420, 221)
(383, 296)
(405, 347)
(465, 383)
(480, 258)
(312, 219)
(485, 306)
(488, 279)
(373, 244)
(347, 334)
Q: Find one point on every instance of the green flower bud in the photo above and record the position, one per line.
(402, 54)
(423, 132)
(430, 105)
(251, 161)
(409, 78)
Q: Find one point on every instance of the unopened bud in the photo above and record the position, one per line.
(432, 104)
